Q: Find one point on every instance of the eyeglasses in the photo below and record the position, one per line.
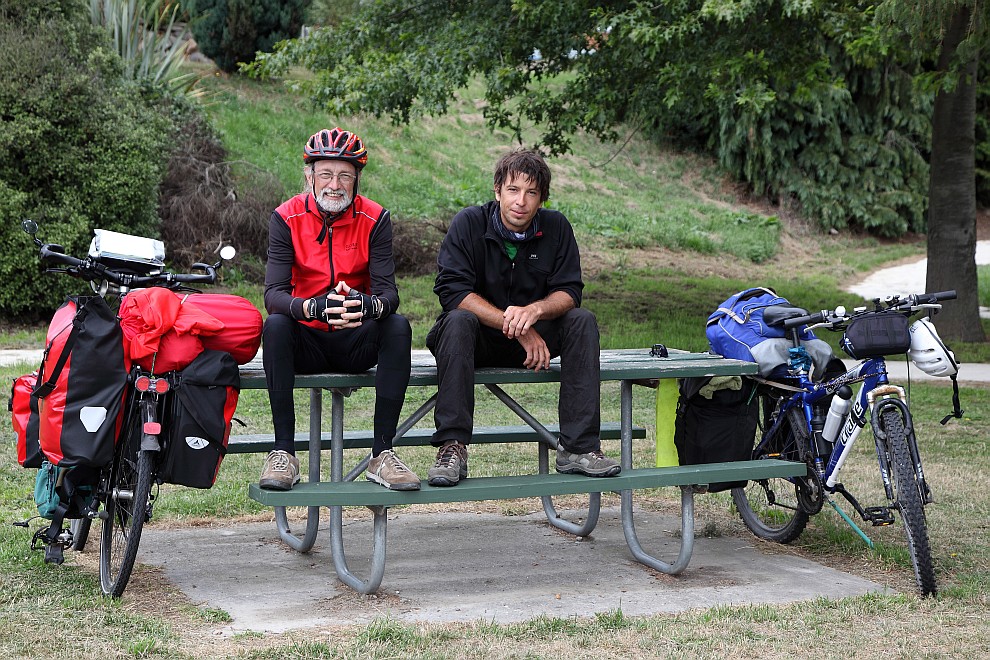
(343, 177)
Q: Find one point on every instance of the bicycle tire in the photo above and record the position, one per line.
(127, 510)
(907, 497)
(80, 533)
(769, 507)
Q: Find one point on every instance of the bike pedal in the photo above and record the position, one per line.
(879, 516)
(54, 554)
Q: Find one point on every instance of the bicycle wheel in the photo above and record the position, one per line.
(127, 509)
(770, 507)
(80, 532)
(907, 496)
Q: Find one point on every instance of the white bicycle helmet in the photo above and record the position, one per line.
(928, 352)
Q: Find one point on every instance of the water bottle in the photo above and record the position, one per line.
(841, 402)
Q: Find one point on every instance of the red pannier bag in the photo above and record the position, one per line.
(24, 415)
(202, 404)
(81, 384)
(241, 335)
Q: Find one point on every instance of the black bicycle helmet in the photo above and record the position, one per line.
(335, 144)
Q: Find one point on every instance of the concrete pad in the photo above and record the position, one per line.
(29, 357)
(465, 567)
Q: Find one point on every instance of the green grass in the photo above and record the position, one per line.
(641, 197)
(983, 273)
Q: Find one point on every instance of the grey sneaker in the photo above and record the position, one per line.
(592, 464)
(281, 471)
(451, 465)
(389, 471)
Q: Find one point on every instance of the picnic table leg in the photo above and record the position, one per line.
(336, 512)
(687, 534)
(374, 580)
(305, 543)
(626, 500)
(550, 440)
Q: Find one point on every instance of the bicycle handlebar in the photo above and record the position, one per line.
(895, 304)
(91, 270)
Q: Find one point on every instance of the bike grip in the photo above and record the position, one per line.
(53, 252)
(817, 317)
(189, 278)
(926, 298)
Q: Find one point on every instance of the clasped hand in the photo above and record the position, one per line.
(343, 307)
(517, 323)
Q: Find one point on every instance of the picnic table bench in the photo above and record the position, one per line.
(628, 366)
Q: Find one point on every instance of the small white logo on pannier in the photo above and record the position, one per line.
(92, 417)
(196, 443)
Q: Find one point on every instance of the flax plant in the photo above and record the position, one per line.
(141, 32)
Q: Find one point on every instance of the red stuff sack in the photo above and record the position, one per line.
(197, 428)
(24, 415)
(161, 333)
(241, 336)
(175, 352)
(81, 384)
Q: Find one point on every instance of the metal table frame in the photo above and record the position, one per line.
(628, 366)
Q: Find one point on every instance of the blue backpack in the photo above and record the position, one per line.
(736, 330)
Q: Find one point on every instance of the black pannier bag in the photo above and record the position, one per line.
(876, 335)
(715, 423)
(81, 384)
(202, 405)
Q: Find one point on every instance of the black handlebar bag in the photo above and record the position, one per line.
(81, 384)
(197, 428)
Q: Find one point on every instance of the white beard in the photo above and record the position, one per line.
(334, 201)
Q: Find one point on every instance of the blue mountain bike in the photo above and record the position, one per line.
(817, 423)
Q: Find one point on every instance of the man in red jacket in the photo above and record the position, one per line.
(331, 298)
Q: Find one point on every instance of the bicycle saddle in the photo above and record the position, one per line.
(775, 315)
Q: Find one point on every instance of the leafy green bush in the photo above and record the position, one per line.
(79, 148)
(850, 152)
(232, 31)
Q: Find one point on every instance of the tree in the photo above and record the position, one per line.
(232, 31)
(960, 26)
(811, 103)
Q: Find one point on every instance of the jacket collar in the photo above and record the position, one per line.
(327, 219)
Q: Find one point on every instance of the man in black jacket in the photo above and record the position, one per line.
(509, 282)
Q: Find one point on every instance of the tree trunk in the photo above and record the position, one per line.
(952, 194)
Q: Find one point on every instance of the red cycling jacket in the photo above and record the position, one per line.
(309, 253)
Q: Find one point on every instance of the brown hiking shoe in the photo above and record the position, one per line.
(281, 471)
(389, 471)
(451, 465)
(592, 464)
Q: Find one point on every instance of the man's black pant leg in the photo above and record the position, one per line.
(453, 341)
(579, 406)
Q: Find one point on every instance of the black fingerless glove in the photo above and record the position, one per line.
(316, 308)
(371, 306)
